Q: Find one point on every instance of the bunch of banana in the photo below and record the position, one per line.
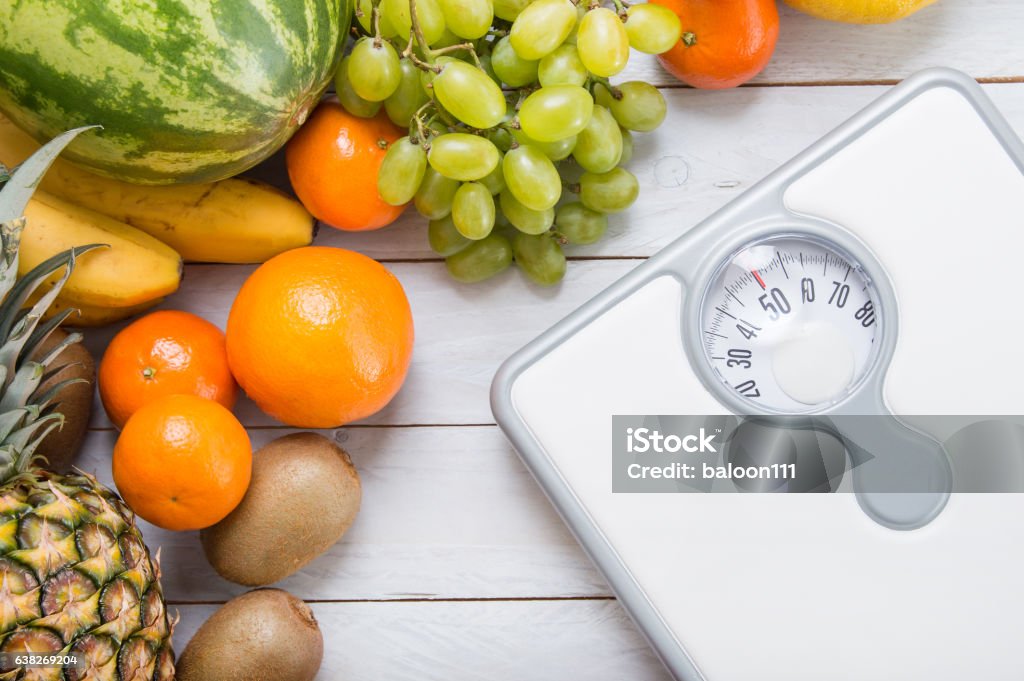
(149, 231)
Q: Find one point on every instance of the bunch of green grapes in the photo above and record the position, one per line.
(516, 136)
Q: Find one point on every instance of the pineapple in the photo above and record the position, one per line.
(75, 575)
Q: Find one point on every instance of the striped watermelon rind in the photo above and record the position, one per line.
(186, 90)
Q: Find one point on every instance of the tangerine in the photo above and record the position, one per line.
(164, 353)
(333, 162)
(182, 462)
(724, 42)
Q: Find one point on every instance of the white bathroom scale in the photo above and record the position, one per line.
(877, 274)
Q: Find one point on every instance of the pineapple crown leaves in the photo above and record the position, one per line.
(29, 419)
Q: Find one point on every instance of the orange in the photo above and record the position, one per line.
(319, 337)
(333, 161)
(182, 462)
(164, 353)
(725, 42)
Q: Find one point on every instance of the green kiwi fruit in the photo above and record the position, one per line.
(264, 634)
(74, 401)
(303, 496)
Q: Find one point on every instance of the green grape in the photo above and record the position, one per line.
(525, 219)
(495, 180)
(481, 259)
(470, 95)
(364, 14)
(487, 62)
(469, 19)
(462, 156)
(641, 107)
(365, 18)
(353, 103)
(427, 77)
(627, 147)
(429, 13)
(580, 225)
(373, 69)
(599, 147)
(473, 211)
(434, 197)
(438, 127)
(540, 258)
(609, 192)
(558, 150)
(409, 96)
(541, 27)
(562, 67)
(510, 68)
(444, 239)
(502, 139)
(509, 9)
(602, 42)
(447, 39)
(556, 112)
(581, 11)
(532, 177)
(401, 172)
(653, 28)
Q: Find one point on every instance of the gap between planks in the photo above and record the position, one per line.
(425, 599)
(363, 426)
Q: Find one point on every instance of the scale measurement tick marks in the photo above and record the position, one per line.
(785, 341)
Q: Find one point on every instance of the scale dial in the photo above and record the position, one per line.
(789, 324)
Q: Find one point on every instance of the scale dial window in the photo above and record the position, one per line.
(789, 324)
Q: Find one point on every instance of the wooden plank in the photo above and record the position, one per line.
(463, 332)
(720, 144)
(976, 36)
(472, 641)
(447, 513)
(712, 147)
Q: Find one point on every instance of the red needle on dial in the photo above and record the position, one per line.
(759, 279)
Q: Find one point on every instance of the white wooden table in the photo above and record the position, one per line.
(457, 568)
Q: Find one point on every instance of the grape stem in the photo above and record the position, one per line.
(615, 92)
(469, 47)
(421, 129)
(375, 14)
(417, 31)
(425, 46)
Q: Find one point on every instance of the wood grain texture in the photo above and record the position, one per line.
(975, 36)
(446, 513)
(449, 512)
(712, 147)
(462, 332)
(723, 142)
(474, 641)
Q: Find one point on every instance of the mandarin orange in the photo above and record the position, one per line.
(725, 42)
(333, 161)
(183, 462)
(164, 353)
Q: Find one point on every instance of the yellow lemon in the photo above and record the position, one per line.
(860, 11)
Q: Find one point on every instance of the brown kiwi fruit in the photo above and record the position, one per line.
(264, 635)
(304, 495)
(74, 401)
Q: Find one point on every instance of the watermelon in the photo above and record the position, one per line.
(186, 90)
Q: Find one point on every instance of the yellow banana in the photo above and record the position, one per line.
(134, 269)
(232, 221)
(88, 315)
